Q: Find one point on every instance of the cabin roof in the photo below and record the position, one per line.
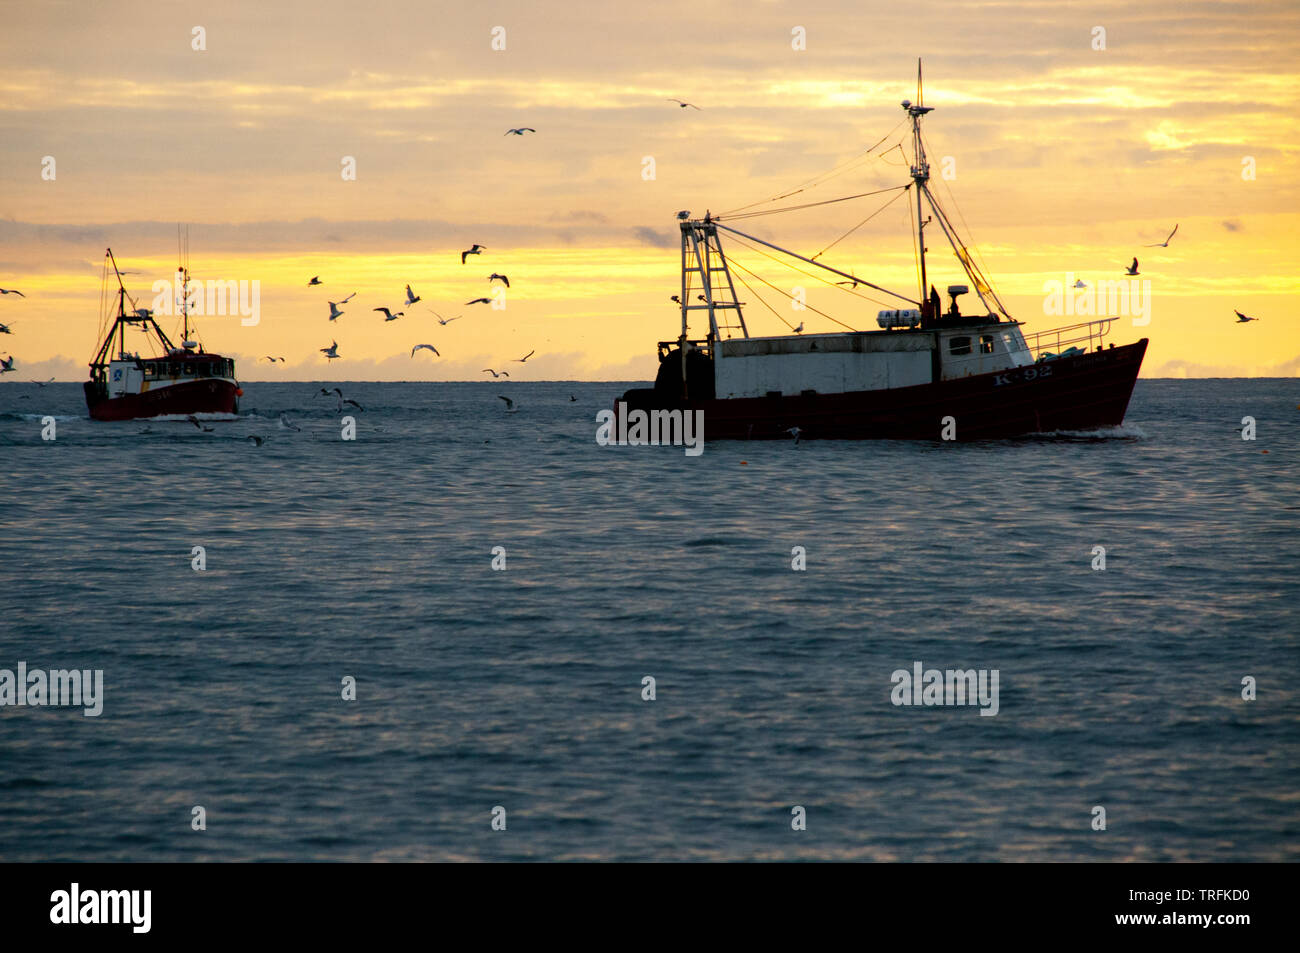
(188, 356)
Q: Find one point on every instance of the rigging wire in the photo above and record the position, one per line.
(901, 165)
(953, 199)
(788, 295)
(972, 250)
(809, 274)
(982, 286)
(917, 250)
(823, 177)
(861, 223)
(795, 208)
(103, 305)
(763, 302)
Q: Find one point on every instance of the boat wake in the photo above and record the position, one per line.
(184, 418)
(1125, 431)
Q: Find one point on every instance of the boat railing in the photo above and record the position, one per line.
(1054, 340)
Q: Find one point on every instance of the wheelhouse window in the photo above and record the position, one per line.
(959, 346)
(986, 344)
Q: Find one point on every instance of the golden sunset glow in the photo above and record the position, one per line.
(1064, 159)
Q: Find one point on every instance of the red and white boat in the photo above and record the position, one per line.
(926, 373)
(181, 380)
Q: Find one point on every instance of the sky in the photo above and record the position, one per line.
(1072, 135)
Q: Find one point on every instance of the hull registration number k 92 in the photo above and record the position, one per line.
(1023, 375)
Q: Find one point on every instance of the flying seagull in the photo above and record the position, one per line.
(520, 360)
(314, 281)
(43, 383)
(12, 291)
(495, 277)
(572, 398)
(5, 329)
(332, 351)
(195, 421)
(488, 370)
(677, 299)
(427, 347)
(338, 393)
(287, 424)
(1165, 243)
(334, 311)
(1241, 318)
(520, 131)
(476, 250)
(683, 104)
(411, 297)
(510, 404)
(348, 298)
(479, 301)
(796, 431)
(390, 315)
(273, 359)
(1133, 268)
(253, 439)
(7, 366)
(441, 320)
(853, 283)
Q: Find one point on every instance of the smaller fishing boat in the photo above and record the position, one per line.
(181, 380)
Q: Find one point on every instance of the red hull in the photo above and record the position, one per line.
(191, 397)
(1079, 392)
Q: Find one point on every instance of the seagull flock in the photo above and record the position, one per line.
(332, 352)
(1131, 270)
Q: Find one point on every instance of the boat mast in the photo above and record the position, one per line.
(182, 269)
(920, 171)
(121, 305)
(141, 316)
(921, 177)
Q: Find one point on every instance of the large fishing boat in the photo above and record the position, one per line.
(180, 380)
(925, 373)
